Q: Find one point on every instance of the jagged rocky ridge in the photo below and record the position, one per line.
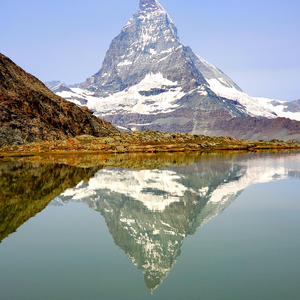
(29, 111)
(149, 80)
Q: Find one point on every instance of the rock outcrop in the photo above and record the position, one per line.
(29, 111)
(257, 129)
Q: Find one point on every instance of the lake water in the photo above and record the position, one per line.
(173, 226)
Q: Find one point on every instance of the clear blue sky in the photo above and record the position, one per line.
(255, 42)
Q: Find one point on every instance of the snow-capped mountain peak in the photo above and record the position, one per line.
(126, 90)
(144, 43)
(150, 5)
(151, 9)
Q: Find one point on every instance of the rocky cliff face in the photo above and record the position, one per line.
(149, 44)
(29, 111)
(147, 70)
(257, 129)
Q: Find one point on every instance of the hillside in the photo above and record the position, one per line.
(30, 112)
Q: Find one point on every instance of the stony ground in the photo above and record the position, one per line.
(144, 141)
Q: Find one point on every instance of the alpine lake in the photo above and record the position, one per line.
(151, 226)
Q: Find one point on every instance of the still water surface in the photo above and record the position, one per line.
(174, 226)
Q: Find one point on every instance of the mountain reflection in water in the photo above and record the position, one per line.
(150, 206)
(150, 212)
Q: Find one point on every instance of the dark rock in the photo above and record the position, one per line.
(29, 111)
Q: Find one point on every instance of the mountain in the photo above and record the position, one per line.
(59, 86)
(149, 80)
(29, 111)
(287, 109)
(149, 44)
(55, 85)
(257, 129)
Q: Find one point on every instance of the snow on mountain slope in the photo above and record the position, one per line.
(76, 95)
(168, 92)
(251, 105)
(136, 99)
(156, 189)
(54, 85)
(281, 108)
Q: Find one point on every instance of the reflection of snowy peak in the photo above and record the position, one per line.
(151, 240)
(149, 212)
(255, 173)
(155, 189)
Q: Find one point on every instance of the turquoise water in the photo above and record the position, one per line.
(223, 227)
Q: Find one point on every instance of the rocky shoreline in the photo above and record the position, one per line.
(143, 141)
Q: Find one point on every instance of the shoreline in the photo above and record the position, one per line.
(143, 142)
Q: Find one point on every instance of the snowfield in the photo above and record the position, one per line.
(132, 101)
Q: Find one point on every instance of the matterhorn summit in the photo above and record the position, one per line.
(149, 80)
(149, 44)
